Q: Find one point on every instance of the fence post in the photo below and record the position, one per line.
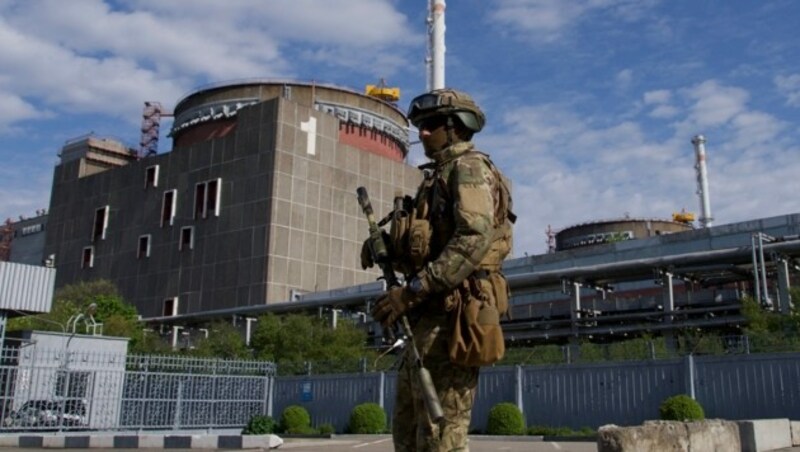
(518, 381)
(690, 374)
(176, 422)
(269, 388)
(381, 389)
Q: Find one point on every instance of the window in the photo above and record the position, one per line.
(168, 207)
(87, 261)
(170, 307)
(32, 229)
(100, 224)
(151, 176)
(206, 198)
(144, 246)
(72, 384)
(187, 238)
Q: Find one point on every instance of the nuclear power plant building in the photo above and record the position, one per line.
(254, 205)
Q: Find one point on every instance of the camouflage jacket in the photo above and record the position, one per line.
(464, 191)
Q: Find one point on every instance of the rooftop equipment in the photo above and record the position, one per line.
(383, 92)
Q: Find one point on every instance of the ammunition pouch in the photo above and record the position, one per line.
(419, 241)
(475, 308)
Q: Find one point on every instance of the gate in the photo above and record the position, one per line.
(46, 389)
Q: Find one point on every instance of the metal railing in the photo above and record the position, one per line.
(44, 389)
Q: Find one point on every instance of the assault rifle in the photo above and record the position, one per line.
(381, 257)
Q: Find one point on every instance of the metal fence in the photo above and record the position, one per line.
(44, 389)
(581, 395)
(48, 389)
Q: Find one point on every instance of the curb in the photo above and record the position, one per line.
(141, 441)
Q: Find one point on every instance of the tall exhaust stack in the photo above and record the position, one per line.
(699, 142)
(435, 59)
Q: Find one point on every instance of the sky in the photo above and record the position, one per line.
(591, 105)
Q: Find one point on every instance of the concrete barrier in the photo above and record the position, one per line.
(713, 435)
(795, 427)
(759, 435)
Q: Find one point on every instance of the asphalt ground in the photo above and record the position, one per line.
(383, 443)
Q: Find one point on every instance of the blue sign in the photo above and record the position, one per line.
(305, 392)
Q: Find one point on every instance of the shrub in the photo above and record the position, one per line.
(505, 419)
(295, 419)
(326, 429)
(681, 408)
(367, 418)
(259, 425)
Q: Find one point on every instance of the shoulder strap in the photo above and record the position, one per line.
(505, 192)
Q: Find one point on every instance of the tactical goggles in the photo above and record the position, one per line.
(432, 123)
(426, 102)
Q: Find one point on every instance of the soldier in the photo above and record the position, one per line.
(459, 233)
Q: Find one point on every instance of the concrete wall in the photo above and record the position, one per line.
(288, 220)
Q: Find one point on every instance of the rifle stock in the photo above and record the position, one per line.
(380, 255)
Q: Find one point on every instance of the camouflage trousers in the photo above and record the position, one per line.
(412, 429)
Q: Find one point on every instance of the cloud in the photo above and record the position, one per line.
(661, 102)
(92, 58)
(789, 86)
(624, 78)
(714, 103)
(660, 96)
(568, 169)
(15, 109)
(568, 166)
(664, 112)
(549, 20)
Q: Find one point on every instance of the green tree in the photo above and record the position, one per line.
(293, 339)
(771, 331)
(223, 341)
(119, 318)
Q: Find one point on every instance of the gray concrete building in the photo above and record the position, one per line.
(254, 205)
(22, 241)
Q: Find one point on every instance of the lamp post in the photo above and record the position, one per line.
(75, 318)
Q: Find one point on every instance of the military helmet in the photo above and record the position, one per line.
(447, 102)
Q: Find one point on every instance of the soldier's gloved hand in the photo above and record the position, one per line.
(366, 255)
(393, 304)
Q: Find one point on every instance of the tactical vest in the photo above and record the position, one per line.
(429, 224)
(476, 305)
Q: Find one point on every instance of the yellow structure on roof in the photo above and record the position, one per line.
(383, 92)
(683, 217)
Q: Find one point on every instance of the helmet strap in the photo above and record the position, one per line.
(451, 131)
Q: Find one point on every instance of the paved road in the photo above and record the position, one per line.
(383, 443)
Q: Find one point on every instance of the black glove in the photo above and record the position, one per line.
(393, 304)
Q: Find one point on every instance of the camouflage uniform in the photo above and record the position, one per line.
(457, 234)
(462, 216)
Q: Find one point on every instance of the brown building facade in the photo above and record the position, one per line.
(254, 205)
